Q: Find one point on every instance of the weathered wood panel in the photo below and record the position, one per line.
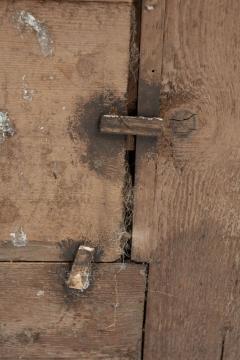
(187, 185)
(103, 1)
(63, 64)
(41, 319)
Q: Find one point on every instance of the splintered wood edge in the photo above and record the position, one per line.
(131, 125)
(80, 275)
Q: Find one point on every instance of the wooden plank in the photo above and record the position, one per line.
(49, 251)
(187, 186)
(148, 105)
(193, 306)
(63, 64)
(41, 318)
(103, 1)
(131, 125)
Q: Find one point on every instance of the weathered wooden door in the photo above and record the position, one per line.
(63, 64)
(63, 183)
(187, 210)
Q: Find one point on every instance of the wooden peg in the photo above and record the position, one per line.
(131, 125)
(80, 275)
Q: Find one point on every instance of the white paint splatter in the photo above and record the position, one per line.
(6, 128)
(142, 272)
(40, 293)
(27, 93)
(19, 238)
(122, 266)
(150, 7)
(26, 19)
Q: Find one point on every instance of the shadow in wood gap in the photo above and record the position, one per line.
(133, 78)
(128, 204)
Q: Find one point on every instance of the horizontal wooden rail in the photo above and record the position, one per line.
(131, 125)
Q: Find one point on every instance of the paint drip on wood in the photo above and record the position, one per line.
(6, 127)
(27, 93)
(26, 20)
(19, 238)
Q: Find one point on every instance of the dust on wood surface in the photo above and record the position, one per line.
(187, 185)
(41, 318)
(63, 64)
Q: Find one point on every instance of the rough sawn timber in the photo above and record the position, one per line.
(40, 318)
(61, 181)
(187, 211)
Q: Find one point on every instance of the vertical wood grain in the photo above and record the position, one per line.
(187, 211)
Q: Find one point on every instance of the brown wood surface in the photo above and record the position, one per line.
(187, 209)
(131, 125)
(41, 319)
(60, 180)
(148, 105)
(103, 1)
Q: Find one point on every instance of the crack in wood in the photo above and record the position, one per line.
(145, 311)
(223, 347)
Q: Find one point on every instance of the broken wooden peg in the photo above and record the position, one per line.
(131, 125)
(80, 275)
